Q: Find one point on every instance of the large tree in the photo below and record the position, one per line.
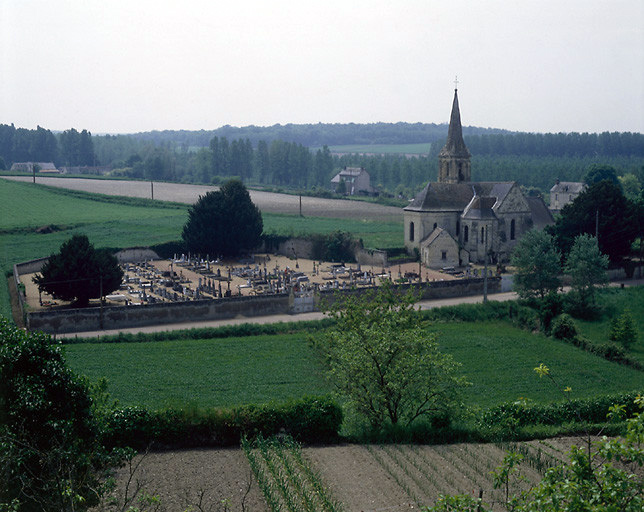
(586, 266)
(224, 222)
(385, 363)
(602, 206)
(78, 272)
(538, 264)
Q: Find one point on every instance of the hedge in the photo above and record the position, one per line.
(309, 420)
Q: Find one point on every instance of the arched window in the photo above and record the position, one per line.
(482, 235)
(466, 233)
(435, 225)
(411, 231)
(512, 228)
(458, 228)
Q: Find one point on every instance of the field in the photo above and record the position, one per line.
(118, 222)
(272, 475)
(497, 358)
(204, 373)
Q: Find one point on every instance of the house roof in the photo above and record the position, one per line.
(348, 172)
(568, 187)
(429, 239)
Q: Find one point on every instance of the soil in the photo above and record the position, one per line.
(266, 201)
(362, 478)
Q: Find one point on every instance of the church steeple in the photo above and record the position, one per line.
(454, 159)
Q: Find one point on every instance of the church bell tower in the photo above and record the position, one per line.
(454, 159)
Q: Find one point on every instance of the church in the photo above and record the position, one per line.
(455, 221)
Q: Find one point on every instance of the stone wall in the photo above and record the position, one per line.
(372, 257)
(123, 317)
(136, 254)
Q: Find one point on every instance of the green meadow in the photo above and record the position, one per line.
(497, 358)
(121, 222)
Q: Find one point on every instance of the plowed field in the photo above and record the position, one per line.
(354, 477)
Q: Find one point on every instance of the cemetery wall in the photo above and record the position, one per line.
(123, 317)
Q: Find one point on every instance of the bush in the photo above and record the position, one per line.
(623, 330)
(564, 328)
(310, 420)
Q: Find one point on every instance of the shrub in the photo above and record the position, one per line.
(563, 328)
(310, 419)
(623, 329)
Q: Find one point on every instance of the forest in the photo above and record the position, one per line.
(281, 156)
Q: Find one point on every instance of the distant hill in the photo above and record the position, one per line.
(316, 135)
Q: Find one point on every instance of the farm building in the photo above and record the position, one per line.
(352, 181)
(479, 217)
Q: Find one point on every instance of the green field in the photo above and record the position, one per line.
(409, 149)
(497, 358)
(205, 373)
(125, 222)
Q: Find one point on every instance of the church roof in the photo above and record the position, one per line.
(480, 208)
(541, 215)
(570, 187)
(455, 145)
(456, 196)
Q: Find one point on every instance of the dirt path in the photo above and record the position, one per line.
(266, 201)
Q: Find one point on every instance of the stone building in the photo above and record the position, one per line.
(564, 192)
(356, 180)
(478, 217)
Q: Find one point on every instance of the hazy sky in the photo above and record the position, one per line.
(134, 65)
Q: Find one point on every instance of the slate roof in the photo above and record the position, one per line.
(455, 145)
(568, 187)
(456, 196)
(541, 215)
(480, 208)
(348, 172)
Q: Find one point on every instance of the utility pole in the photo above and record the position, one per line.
(152, 189)
(101, 298)
(301, 204)
(597, 225)
(485, 270)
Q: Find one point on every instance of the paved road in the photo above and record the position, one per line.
(425, 304)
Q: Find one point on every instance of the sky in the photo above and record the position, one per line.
(124, 66)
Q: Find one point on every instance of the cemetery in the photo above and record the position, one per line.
(187, 288)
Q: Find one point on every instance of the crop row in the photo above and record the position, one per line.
(285, 476)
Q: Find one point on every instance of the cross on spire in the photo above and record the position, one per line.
(456, 83)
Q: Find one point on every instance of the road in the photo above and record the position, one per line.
(425, 304)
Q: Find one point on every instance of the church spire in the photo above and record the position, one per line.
(454, 158)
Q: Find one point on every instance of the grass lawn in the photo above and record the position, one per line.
(616, 301)
(204, 373)
(499, 360)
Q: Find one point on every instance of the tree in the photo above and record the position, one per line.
(623, 329)
(538, 264)
(223, 222)
(586, 266)
(50, 459)
(79, 272)
(597, 173)
(385, 363)
(602, 206)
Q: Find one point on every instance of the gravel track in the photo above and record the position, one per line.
(269, 202)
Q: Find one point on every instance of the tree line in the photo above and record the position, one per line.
(68, 148)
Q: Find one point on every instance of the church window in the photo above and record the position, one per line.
(435, 225)
(466, 233)
(512, 229)
(411, 231)
(482, 235)
(443, 255)
(458, 228)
